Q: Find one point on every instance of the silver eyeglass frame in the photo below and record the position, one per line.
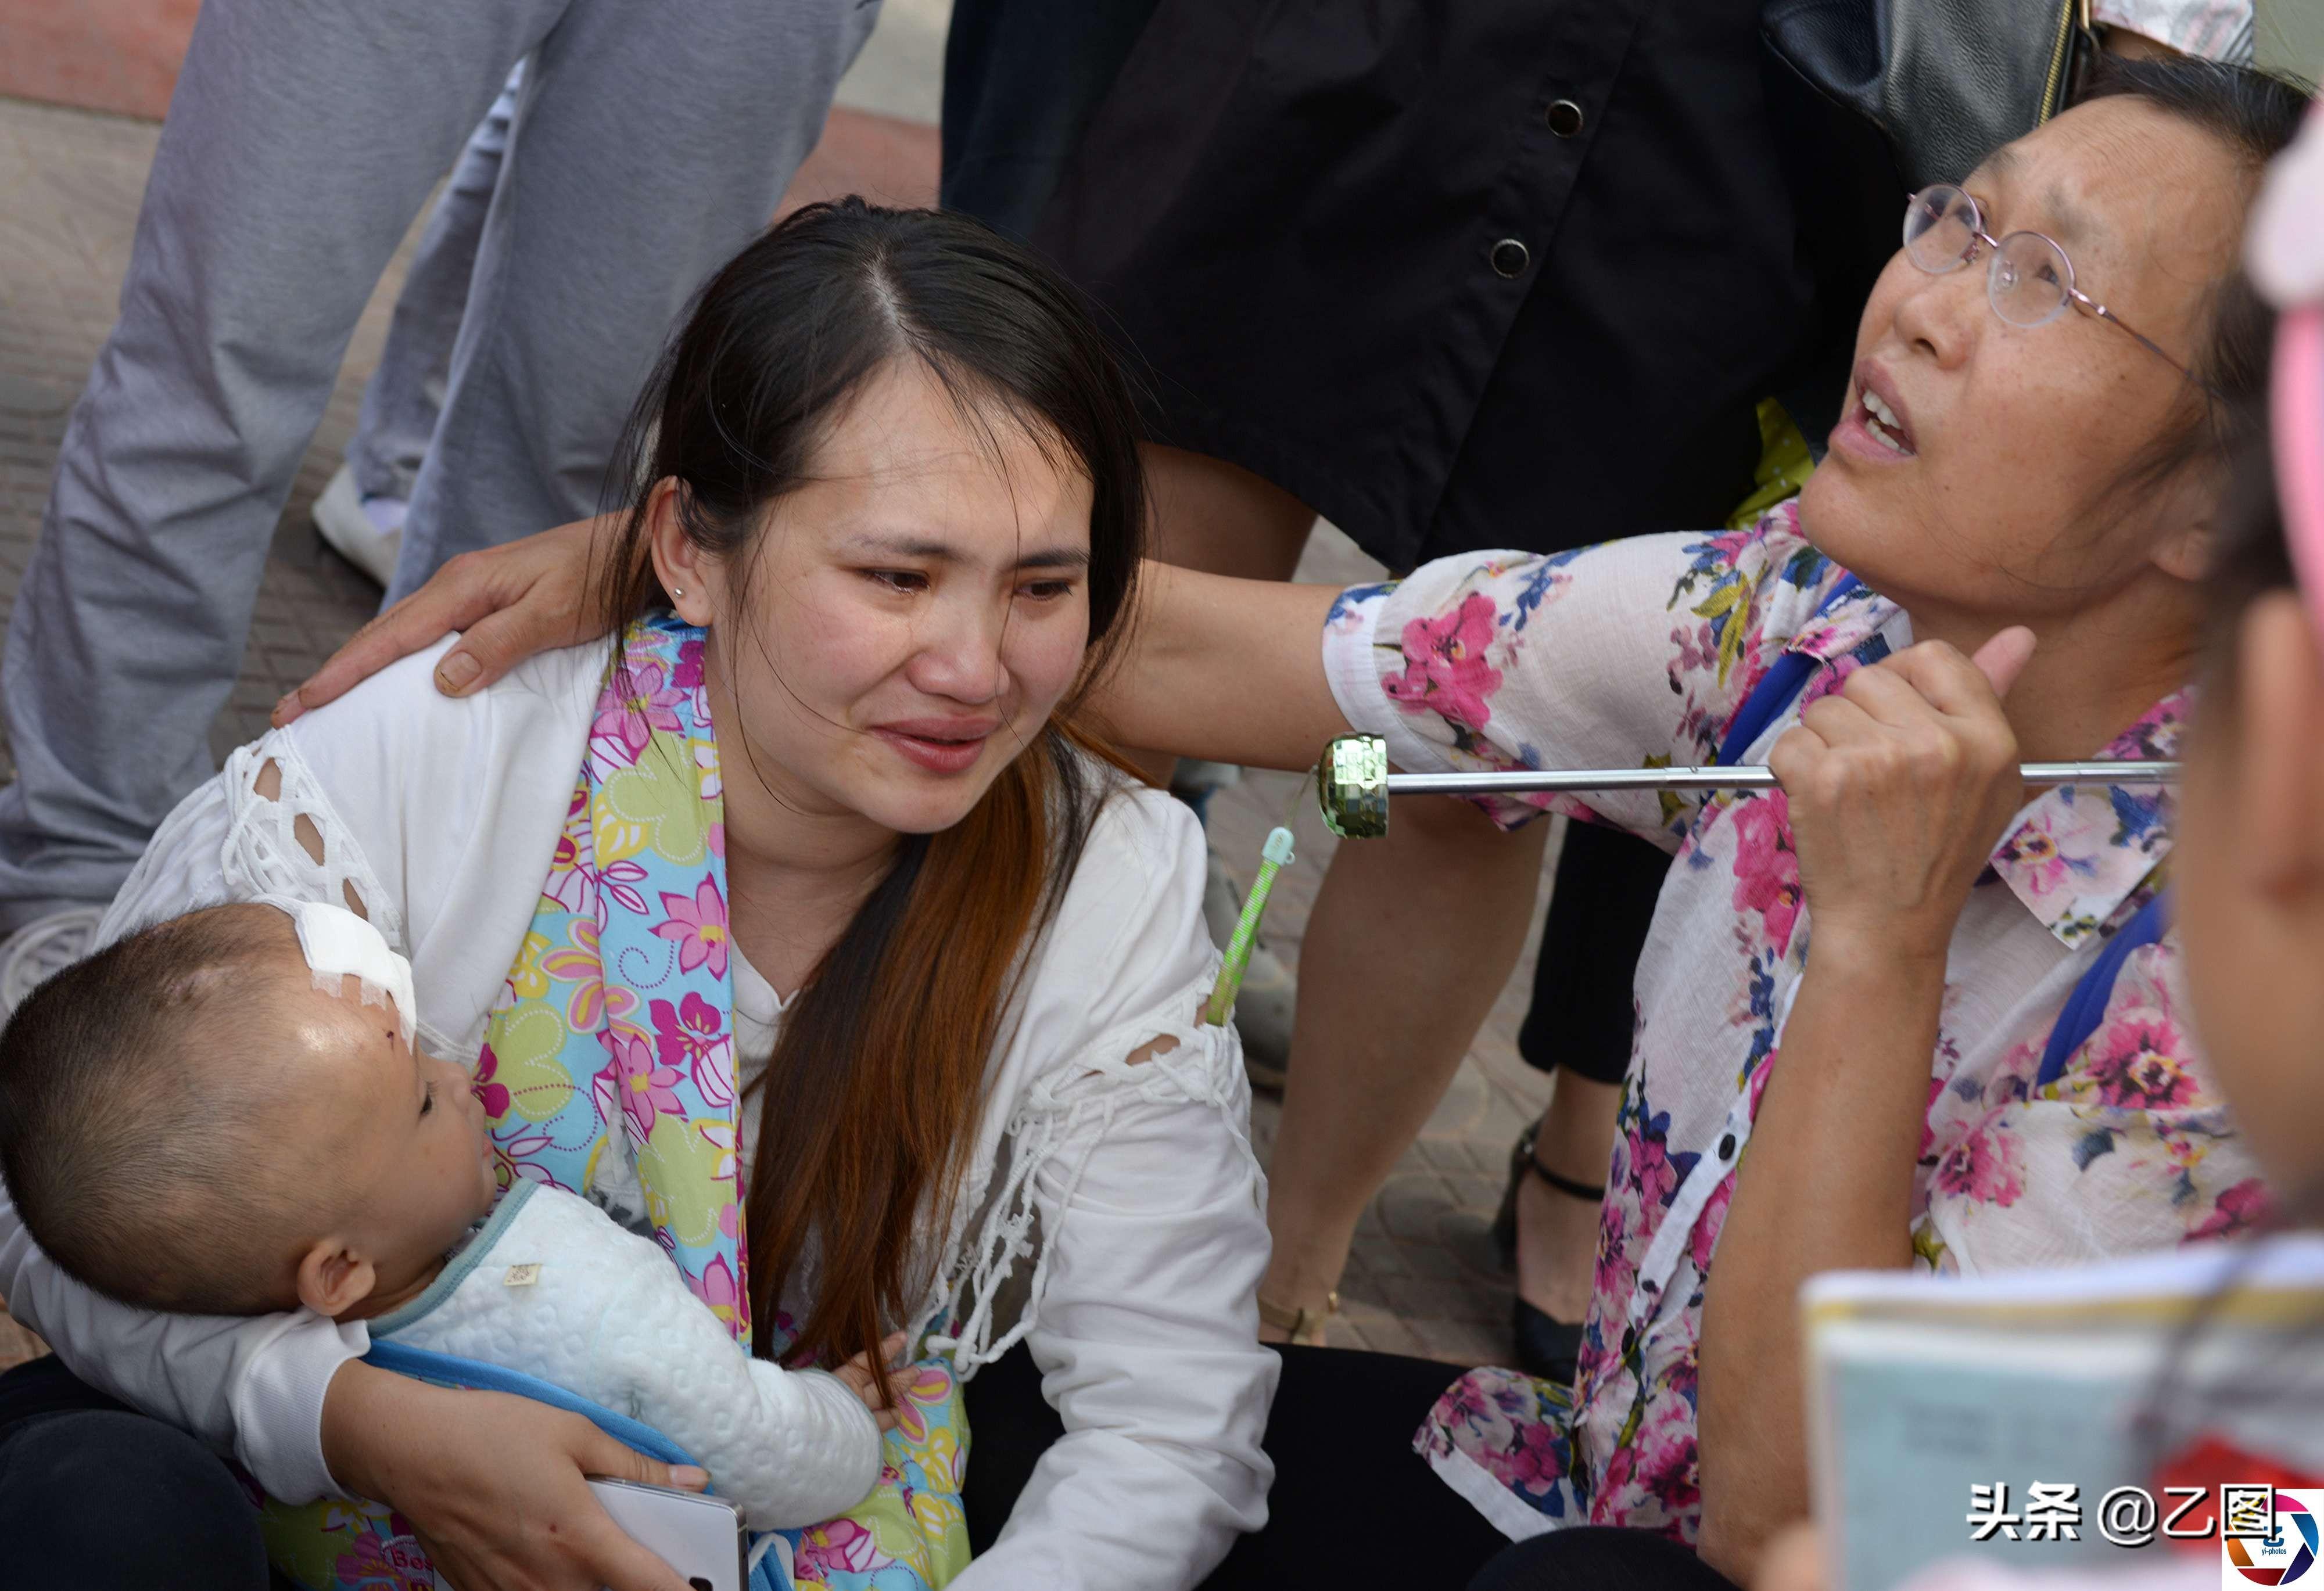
(1980, 239)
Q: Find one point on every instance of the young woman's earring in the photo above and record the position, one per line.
(677, 591)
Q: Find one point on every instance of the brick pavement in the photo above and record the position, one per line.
(1422, 1279)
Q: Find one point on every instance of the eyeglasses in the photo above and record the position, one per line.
(2029, 281)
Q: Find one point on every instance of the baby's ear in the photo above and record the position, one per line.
(333, 1278)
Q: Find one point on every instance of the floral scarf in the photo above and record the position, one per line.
(619, 1011)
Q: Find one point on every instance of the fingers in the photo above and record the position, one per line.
(891, 1349)
(2004, 657)
(603, 1547)
(419, 620)
(1955, 686)
(497, 643)
(511, 602)
(620, 1564)
(616, 1460)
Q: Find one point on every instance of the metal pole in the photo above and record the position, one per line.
(1751, 777)
(1354, 783)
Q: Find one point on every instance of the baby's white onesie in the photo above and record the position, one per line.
(550, 1286)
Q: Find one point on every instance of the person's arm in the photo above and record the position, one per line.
(1899, 787)
(1187, 680)
(494, 1486)
(1147, 1339)
(1575, 661)
(1150, 1208)
(791, 1447)
(1224, 669)
(508, 602)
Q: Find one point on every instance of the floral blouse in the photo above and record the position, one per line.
(1638, 653)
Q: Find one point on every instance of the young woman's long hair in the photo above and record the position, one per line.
(871, 1101)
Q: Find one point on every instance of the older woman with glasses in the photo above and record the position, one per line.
(1978, 1064)
(1981, 1065)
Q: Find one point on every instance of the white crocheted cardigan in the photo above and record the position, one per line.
(1111, 1215)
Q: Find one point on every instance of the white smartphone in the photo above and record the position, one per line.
(699, 1537)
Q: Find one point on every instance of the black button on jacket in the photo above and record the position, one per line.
(1459, 273)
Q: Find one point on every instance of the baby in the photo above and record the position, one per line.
(224, 1114)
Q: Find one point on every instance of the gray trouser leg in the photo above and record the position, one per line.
(643, 155)
(651, 140)
(406, 392)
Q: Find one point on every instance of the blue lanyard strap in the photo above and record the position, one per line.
(1778, 688)
(2086, 1007)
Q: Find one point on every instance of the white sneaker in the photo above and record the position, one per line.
(366, 531)
(1269, 995)
(42, 948)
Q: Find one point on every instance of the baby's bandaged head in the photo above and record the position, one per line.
(339, 945)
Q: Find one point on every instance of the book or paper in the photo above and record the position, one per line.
(1925, 1395)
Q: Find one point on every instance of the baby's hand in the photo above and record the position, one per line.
(863, 1380)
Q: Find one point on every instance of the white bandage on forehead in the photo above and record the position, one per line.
(339, 945)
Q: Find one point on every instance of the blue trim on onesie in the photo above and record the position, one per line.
(472, 1253)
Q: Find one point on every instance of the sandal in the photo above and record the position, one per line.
(1305, 1324)
(1521, 1160)
(1547, 1348)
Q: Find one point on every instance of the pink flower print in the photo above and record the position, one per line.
(1766, 868)
(718, 1288)
(398, 1565)
(720, 1137)
(580, 964)
(691, 1034)
(2032, 855)
(1607, 1280)
(1697, 649)
(648, 1090)
(1928, 1127)
(714, 1074)
(626, 724)
(1445, 671)
(699, 927)
(494, 1096)
(2142, 1068)
(1536, 1461)
(584, 888)
(1987, 1166)
(839, 1544)
(919, 1387)
(687, 675)
(1652, 1173)
(2239, 1209)
(1463, 1403)
(575, 837)
(1704, 1239)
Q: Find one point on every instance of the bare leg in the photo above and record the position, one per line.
(1558, 1233)
(1220, 519)
(1412, 938)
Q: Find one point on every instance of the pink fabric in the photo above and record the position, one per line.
(2287, 262)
